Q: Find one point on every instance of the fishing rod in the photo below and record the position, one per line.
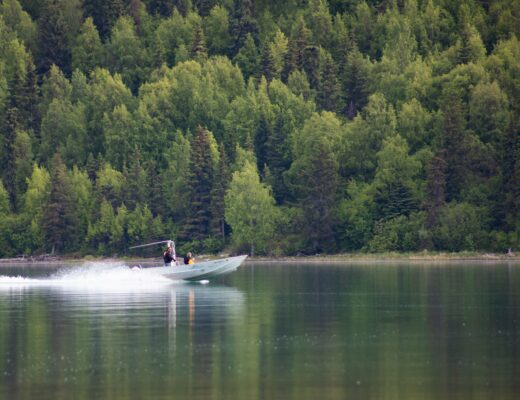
(171, 244)
(152, 244)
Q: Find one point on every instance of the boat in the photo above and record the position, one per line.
(194, 272)
(200, 270)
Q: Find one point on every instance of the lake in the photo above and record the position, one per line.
(268, 331)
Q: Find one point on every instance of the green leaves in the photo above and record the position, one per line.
(367, 121)
(250, 210)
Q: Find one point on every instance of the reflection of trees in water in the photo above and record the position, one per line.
(427, 330)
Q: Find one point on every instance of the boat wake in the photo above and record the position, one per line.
(92, 275)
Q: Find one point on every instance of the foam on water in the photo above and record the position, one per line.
(93, 275)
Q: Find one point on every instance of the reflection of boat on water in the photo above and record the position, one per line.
(200, 270)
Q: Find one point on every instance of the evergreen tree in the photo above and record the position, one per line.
(294, 57)
(23, 161)
(394, 199)
(183, 6)
(23, 95)
(198, 50)
(220, 187)
(453, 143)
(92, 166)
(60, 222)
(104, 13)
(155, 191)
(329, 91)
(395, 180)
(277, 160)
(8, 159)
(435, 189)
(53, 43)
(311, 65)
(5, 206)
(248, 57)
(203, 6)
(471, 47)
(87, 52)
(160, 7)
(136, 188)
(314, 181)
(198, 224)
(241, 25)
(355, 82)
(267, 66)
(320, 22)
(260, 145)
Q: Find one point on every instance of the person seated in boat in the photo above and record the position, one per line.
(169, 255)
(188, 259)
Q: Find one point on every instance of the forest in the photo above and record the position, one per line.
(268, 127)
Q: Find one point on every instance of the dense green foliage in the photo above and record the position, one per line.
(297, 126)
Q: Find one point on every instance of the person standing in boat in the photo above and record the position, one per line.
(188, 259)
(169, 255)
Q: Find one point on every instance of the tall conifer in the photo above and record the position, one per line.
(198, 224)
(104, 13)
(277, 160)
(329, 92)
(53, 43)
(241, 24)
(218, 193)
(60, 222)
(199, 51)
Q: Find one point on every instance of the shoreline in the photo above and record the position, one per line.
(319, 258)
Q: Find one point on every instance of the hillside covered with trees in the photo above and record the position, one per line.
(283, 127)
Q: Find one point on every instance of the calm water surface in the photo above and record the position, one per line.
(268, 331)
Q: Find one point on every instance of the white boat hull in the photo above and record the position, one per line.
(200, 270)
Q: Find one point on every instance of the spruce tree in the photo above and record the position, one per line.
(198, 224)
(87, 52)
(160, 7)
(329, 91)
(203, 6)
(314, 181)
(454, 143)
(60, 222)
(248, 57)
(199, 51)
(104, 14)
(136, 188)
(53, 44)
(355, 83)
(311, 65)
(277, 150)
(260, 145)
(294, 58)
(218, 193)
(241, 24)
(23, 161)
(435, 188)
(267, 66)
(183, 6)
(393, 199)
(8, 159)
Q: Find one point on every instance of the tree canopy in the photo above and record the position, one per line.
(274, 127)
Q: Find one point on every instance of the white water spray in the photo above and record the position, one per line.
(100, 275)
